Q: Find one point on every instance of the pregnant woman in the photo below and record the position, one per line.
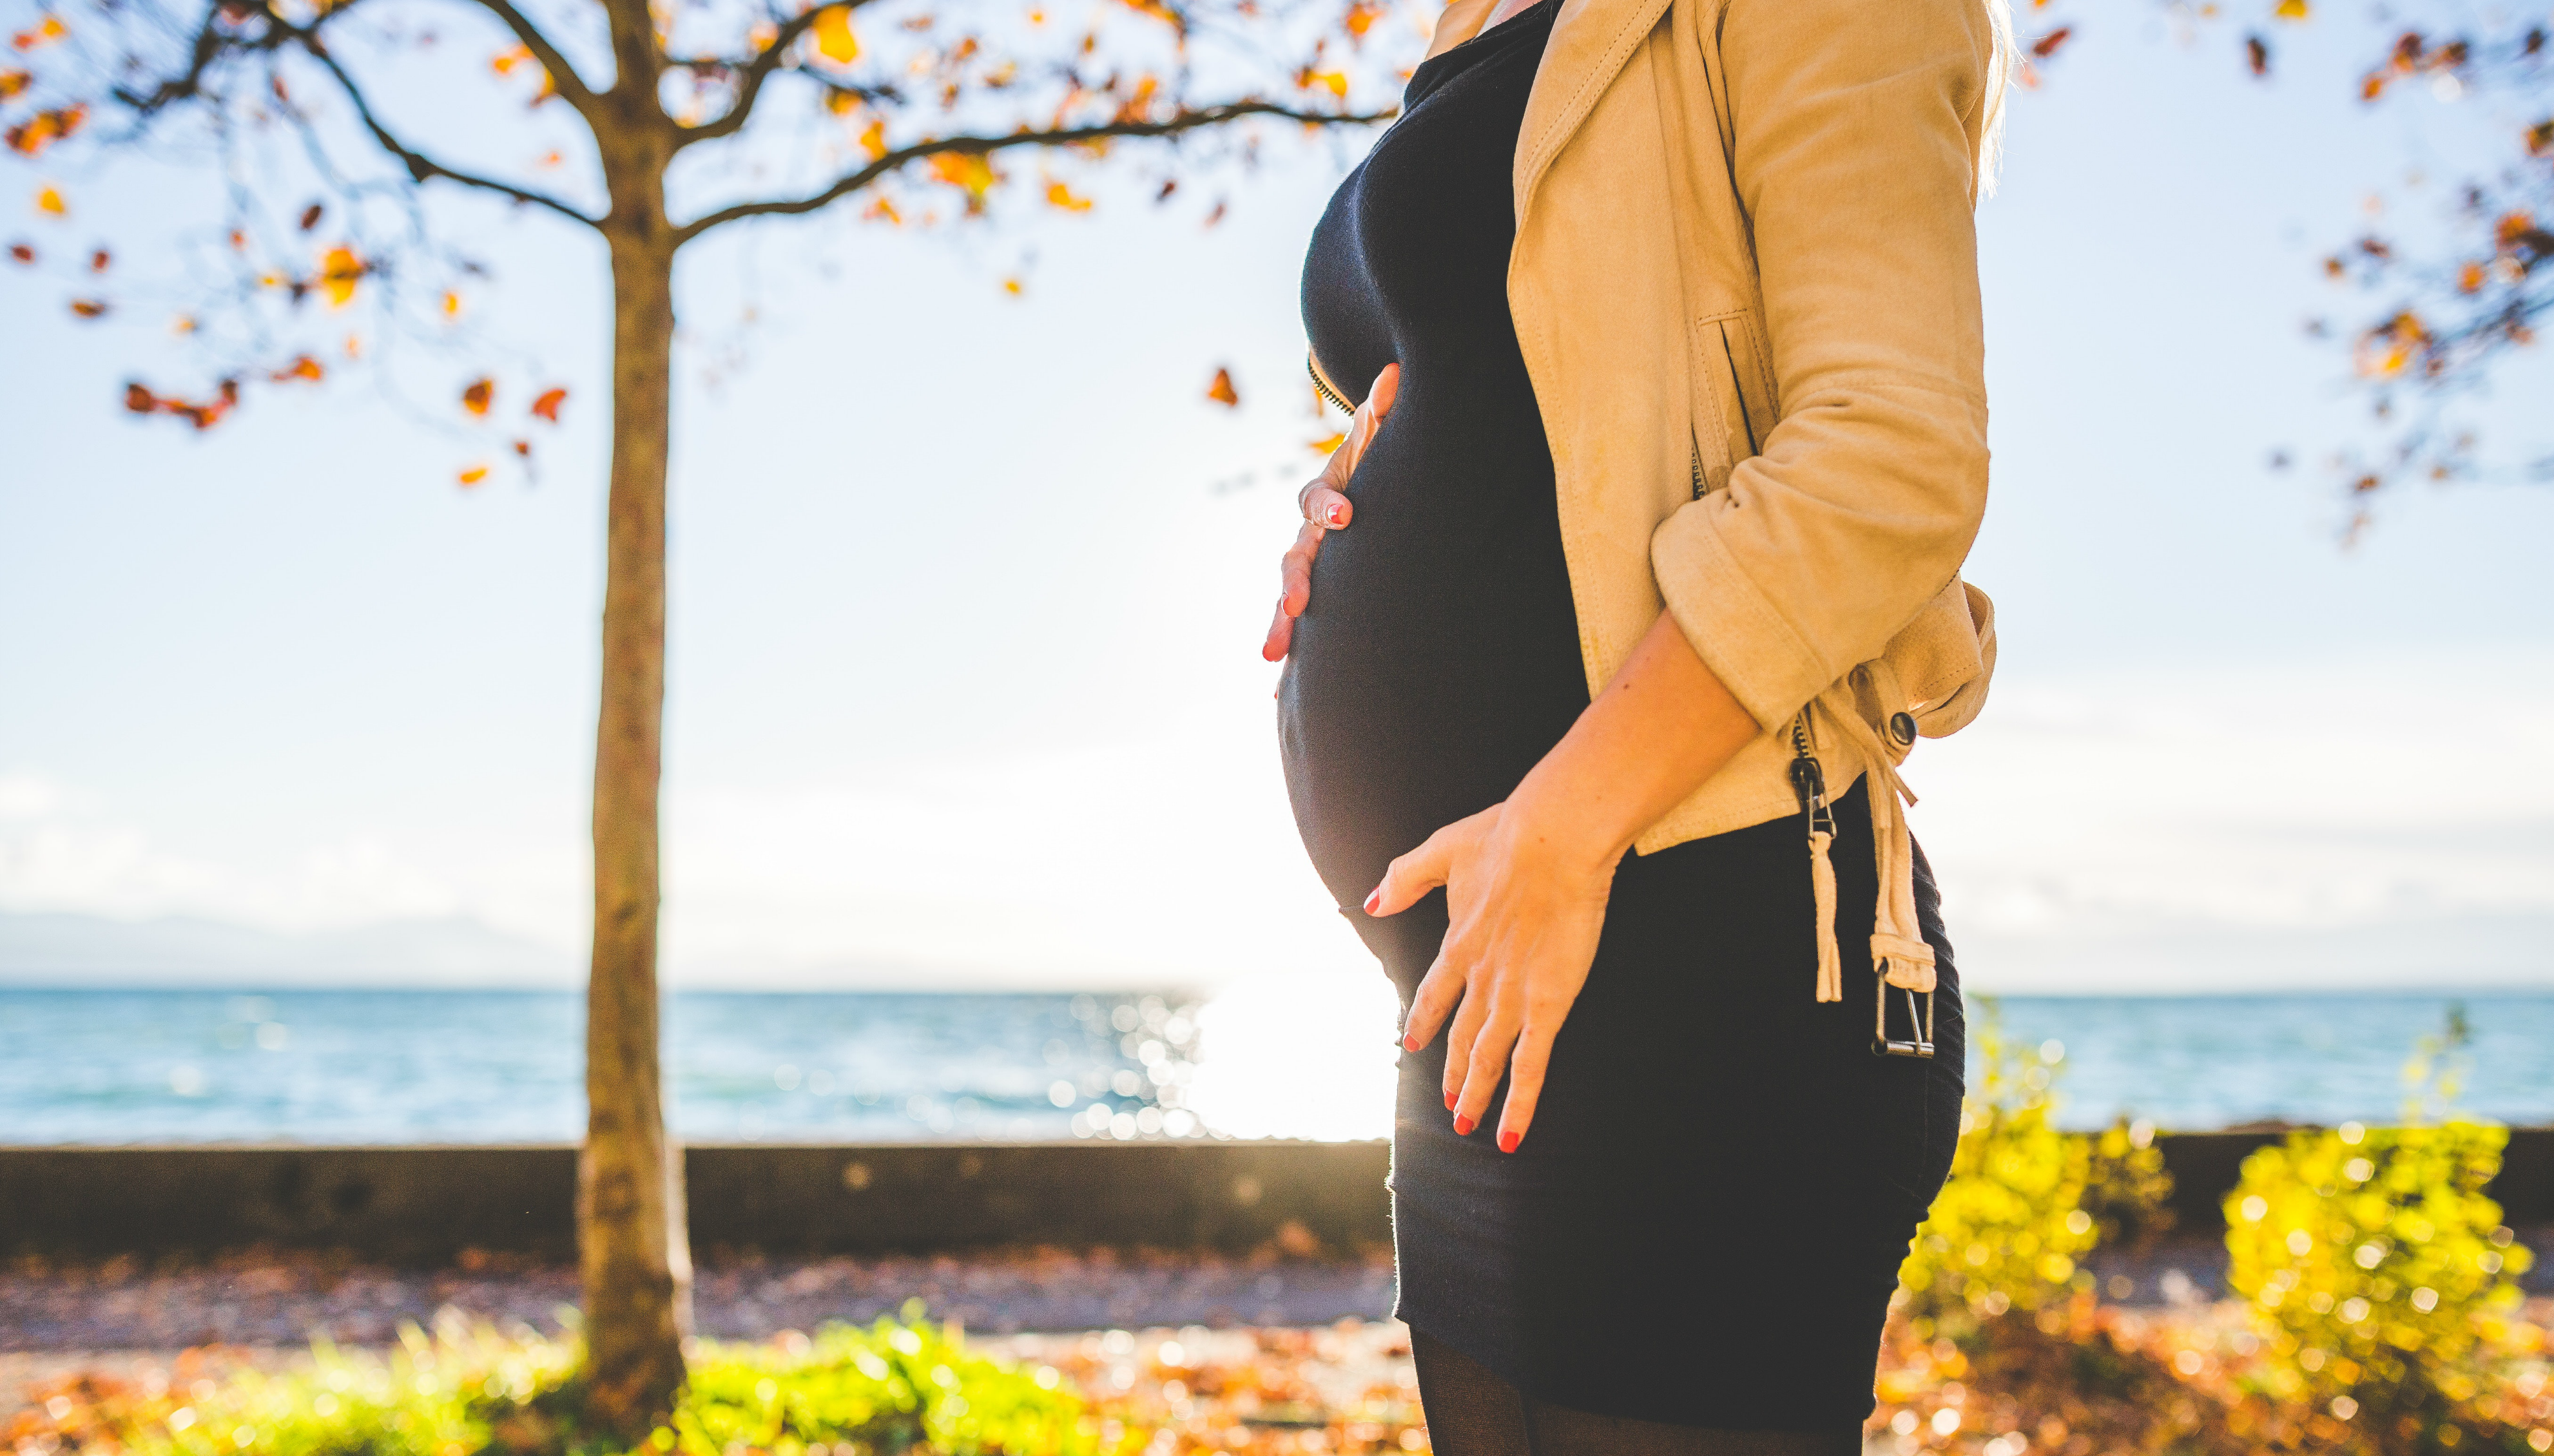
(1607, 632)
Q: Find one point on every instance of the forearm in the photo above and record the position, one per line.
(1660, 729)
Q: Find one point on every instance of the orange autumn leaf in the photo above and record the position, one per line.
(2470, 279)
(89, 307)
(874, 140)
(2292, 10)
(49, 30)
(311, 216)
(451, 306)
(474, 474)
(524, 448)
(339, 269)
(12, 83)
(1060, 195)
(833, 39)
(22, 251)
(505, 61)
(100, 261)
(481, 393)
(1328, 444)
(49, 201)
(970, 171)
(1222, 391)
(31, 137)
(547, 406)
(1335, 82)
(1013, 286)
(302, 367)
(882, 211)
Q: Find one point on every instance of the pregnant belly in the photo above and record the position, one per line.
(1438, 659)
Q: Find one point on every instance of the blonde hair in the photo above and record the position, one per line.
(2003, 62)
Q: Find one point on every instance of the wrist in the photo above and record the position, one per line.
(1546, 819)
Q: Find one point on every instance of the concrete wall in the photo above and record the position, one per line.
(425, 1204)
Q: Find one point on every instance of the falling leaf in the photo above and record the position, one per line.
(451, 306)
(49, 201)
(12, 83)
(2470, 279)
(1222, 391)
(99, 260)
(1335, 82)
(31, 137)
(139, 398)
(2048, 44)
(1328, 443)
(1060, 195)
(302, 367)
(44, 33)
(481, 393)
(474, 474)
(524, 448)
(2292, 10)
(339, 269)
(1361, 19)
(833, 39)
(22, 252)
(1013, 286)
(89, 307)
(2257, 54)
(311, 216)
(547, 406)
(874, 140)
(1169, 187)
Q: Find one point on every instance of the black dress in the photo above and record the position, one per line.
(1705, 1223)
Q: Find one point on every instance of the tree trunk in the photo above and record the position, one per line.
(635, 1253)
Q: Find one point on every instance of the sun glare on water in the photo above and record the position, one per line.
(1307, 1056)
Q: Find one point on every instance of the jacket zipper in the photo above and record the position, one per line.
(1809, 780)
(1321, 386)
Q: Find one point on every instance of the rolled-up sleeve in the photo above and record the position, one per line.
(1855, 131)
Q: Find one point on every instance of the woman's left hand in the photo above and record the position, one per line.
(1525, 908)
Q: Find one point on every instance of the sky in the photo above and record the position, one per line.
(966, 591)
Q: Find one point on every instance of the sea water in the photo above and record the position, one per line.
(499, 1067)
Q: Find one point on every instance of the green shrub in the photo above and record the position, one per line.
(888, 1390)
(2375, 1262)
(894, 1388)
(2010, 1225)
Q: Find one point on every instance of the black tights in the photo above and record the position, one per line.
(1473, 1412)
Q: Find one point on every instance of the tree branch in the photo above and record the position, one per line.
(421, 167)
(563, 76)
(1184, 121)
(754, 73)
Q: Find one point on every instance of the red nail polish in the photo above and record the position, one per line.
(1374, 899)
(1409, 1043)
(1508, 1142)
(1450, 1101)
(1463, 1126)
(1331, 516)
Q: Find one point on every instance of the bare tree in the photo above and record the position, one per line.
(656, 122)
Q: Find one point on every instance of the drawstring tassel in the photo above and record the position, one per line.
(1823, 880)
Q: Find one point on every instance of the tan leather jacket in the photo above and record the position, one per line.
(1745, 282)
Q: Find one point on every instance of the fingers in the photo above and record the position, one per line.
(1387, 387)
(1326, 507)
(1294, 592)
(1525, 1080)
(1461, 1046)
(1414, 874)
(1486, 1061)
(1431, 1003)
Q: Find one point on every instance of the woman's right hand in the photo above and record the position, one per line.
(1324, 506)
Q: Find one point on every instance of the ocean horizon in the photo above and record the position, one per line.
(124, 1064)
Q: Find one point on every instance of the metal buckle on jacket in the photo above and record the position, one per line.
(1920, 1024)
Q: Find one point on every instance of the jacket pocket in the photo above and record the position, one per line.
(1735, 411)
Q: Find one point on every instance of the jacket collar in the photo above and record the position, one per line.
(1591, 42)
